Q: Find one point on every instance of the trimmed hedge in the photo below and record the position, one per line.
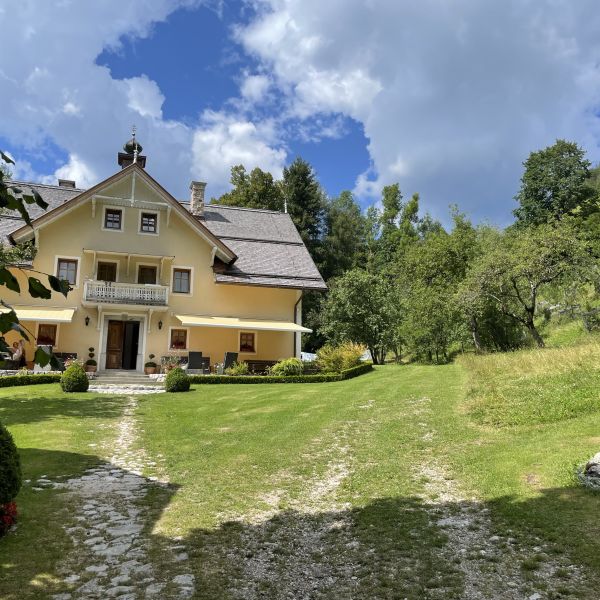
(13, 380)
(318, 378)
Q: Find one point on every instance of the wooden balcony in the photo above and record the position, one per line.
(106, 292)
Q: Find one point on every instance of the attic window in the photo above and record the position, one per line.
(113, 218)
(149, 223)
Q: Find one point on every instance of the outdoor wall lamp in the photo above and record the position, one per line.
(160, 324)
(87, 321)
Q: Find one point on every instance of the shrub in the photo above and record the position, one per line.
(74, 379)
(177, 380)
(287, 367)
(10, 467)
(335, 359)
(363, 368)
(238, 368)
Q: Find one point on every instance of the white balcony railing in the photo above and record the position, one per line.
(126, 293)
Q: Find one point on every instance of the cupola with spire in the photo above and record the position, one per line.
(132, 152)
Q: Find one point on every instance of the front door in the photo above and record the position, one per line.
(114, 345)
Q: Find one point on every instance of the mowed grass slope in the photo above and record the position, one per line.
(538, 417)
(277, 487)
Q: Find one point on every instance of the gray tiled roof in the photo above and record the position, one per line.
(269, 249)
(52, 194)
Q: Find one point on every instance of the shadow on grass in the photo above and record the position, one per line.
(389, 548)
(35, 407)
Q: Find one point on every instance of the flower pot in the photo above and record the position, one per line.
(149, 370)
(90, 368)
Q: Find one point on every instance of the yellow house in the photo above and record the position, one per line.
(154, 275)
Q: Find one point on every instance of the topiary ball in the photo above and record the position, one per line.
(177, 380)
(10, 467)
(74, 379)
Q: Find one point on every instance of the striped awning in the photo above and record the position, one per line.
(238, 323)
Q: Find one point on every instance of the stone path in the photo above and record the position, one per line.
(111, 538)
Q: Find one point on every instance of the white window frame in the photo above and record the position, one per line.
(182, 268)
(109, 260)
(240, 351)
(37, 332)
(58, 257)
(143, 264)
(187, 339)
(109, 207)
(148, 212)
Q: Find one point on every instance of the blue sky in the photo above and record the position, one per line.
(427, 94)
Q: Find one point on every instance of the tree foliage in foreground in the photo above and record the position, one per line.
(14, 199)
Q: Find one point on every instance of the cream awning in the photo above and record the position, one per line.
(236, 323)
(45, 314)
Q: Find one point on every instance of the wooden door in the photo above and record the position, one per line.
(114, 345)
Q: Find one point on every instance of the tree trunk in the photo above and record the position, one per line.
(535, 334)
(475, 334)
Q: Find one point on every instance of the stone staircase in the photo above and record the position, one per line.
(116, 380)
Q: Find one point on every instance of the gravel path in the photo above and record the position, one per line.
(111, 538)
(492, 564)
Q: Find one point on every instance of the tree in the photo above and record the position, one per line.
(428, 273)
(345, 242)
(15, 199)
(305, 203)
(519, 264)
(255, 190)
(555, 183)
(362, 307)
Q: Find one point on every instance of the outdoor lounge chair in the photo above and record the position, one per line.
(230, 358)
(195, 365)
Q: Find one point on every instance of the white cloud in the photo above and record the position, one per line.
(452, 96)
(77, 171)
(225, 140)
(255, 87)
(144, 96)
(55, 95)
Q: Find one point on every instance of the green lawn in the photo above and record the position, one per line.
(334, 490)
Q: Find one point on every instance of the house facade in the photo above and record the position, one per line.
(153, 275)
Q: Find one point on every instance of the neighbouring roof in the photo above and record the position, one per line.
(269, 249)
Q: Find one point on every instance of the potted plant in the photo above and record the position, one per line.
(170, 362)
(90, 364)
(150, 366)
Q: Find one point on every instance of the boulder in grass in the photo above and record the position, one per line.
(592, 468)
(589, 475)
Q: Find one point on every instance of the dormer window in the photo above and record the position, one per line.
(149, 223)
(113, 219)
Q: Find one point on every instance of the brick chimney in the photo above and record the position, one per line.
(197, 198)
(66, 183)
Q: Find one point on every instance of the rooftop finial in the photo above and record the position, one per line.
(135, 144)
(132, 152)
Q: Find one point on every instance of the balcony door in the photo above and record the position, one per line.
(122, 341)
(146, 274)
(107, 271)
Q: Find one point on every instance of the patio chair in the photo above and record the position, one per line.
(230, 358)
(195, 364)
